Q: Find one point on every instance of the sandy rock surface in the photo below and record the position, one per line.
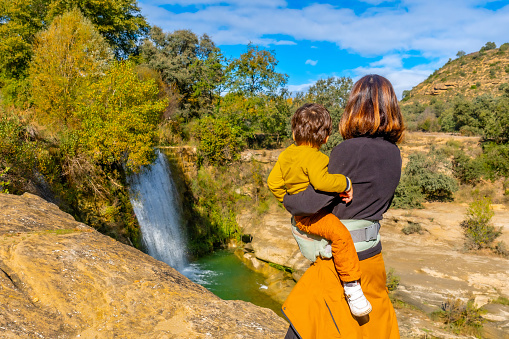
(433, 267)
(62, 279)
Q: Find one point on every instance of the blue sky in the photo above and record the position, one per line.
(403, 40)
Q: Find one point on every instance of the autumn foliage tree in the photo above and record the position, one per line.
(118, 21)
(118, 116)
(67, 56)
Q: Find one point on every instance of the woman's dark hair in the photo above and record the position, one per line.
(372, 110)
(311, 125)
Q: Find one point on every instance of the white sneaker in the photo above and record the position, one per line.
(358, 303)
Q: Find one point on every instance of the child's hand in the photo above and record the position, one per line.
(347, 196)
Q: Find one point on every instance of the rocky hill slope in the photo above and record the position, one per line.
(469, 75)
(62, 279)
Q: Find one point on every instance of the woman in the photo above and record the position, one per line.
(371, 126)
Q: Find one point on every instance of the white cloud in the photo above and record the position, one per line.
(311, 62)
(392, 60)
(433, 26)
(300, 88)
(433, 29)
(401, 79)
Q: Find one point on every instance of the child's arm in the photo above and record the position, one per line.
(276, 183)
(322, 180)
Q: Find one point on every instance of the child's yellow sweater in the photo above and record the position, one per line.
(299, 166)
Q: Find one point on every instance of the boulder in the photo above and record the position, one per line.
(60, 279)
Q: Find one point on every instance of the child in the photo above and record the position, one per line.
(303, 164)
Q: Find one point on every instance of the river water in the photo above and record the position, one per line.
(225, 275)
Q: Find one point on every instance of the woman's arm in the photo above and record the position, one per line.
(308, 201)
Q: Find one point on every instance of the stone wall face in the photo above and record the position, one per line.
(185, 157)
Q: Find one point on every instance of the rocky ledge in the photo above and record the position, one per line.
(61, 279)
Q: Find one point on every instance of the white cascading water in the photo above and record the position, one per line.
(157, 207)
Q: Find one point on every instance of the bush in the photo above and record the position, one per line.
(470, 131)
(392, 281)
(412, 228)
(466, 169)
(407, 195)
(220, 141)
(496, 160)
(501, 249)
(489, 45)
(479, 233)
(429, 173)
(461, 317)
(4, 184)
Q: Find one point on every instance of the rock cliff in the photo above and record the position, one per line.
(61, 279)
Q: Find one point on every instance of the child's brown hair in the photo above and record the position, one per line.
(311, 125)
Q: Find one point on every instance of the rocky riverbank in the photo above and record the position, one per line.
(432, 265)
(62, 279)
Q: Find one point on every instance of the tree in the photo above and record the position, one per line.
(19, 22)
(193, 65)
(254, 73)
(474, 115)
(460, 54)
(118, 116)
(67, 57)
(333, 94)
(489, 45)
(118, 21)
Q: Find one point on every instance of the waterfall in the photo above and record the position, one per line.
(157, 207)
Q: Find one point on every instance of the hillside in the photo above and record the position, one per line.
(471, 75)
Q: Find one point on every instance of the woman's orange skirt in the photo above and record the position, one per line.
(317, 307)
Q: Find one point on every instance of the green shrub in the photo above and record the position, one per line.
(501, 249)
(392, 281)
(473, 87)
(4, 184)
(220, 141)
(429, 173)
(489, 45)
(213, 210)
(461, 318)
(412, 228)
(408, 195)
(501, 301)
(466, 169)
(470, 131)
(478, 231)
(496, 160)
